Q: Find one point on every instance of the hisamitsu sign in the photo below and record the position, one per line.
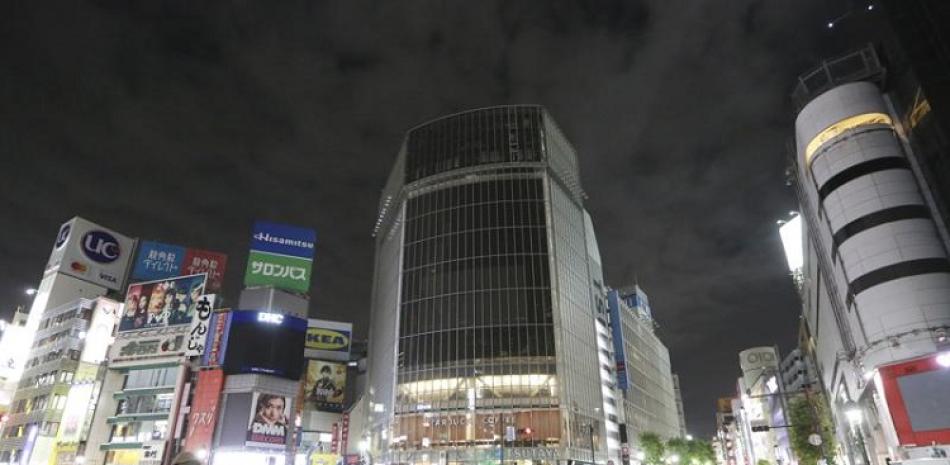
(283, 239)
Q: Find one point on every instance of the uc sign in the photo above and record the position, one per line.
(100, 246)
(327, 339)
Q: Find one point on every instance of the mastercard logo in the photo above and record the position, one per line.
(76, 266)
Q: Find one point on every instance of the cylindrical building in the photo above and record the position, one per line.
(876, 288)
(483, 340)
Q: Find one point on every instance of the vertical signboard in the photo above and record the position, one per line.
(269, 420)
(281, 256)
(204, 410)
(200, 326)
(92, 253)
(218, 339)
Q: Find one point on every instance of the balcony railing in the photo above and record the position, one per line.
(860, 65)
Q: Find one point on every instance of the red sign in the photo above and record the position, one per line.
(922, 374)
(334, 444)
(345, 432)
(204, 410)
(204, 261)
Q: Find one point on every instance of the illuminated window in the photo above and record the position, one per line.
(840, 127)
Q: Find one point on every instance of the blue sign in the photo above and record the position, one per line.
(63, 235)
(100, 246)
(283, 239)
(158, 261)
(616, 327)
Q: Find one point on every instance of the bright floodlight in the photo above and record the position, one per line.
(944, 359)
(854, 414)
(791, 233)
(831, 24)
(870, 7)
(689, 437)
(30, 291)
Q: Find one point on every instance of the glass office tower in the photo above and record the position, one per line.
(483, 343)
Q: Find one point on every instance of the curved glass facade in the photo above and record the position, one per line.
(477, 208)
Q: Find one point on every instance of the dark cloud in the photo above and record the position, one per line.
(184, 122)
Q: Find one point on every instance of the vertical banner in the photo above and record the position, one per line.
(200, 325)
(218, 339)
(344, 431)
(204, 410)
(335, 443)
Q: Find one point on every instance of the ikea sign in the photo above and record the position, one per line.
(333, 340)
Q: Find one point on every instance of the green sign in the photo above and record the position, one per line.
(281, 271)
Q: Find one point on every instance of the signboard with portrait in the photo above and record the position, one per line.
(324, 386)
(269, 421)
(163, 303)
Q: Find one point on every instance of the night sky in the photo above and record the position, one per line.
(185, 122)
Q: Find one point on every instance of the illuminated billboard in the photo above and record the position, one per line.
(156, 261)
(164, 303)
(269, 421)
(204, 410)
(324, 386)
(328, 340)
(281, 256)
(90, 252)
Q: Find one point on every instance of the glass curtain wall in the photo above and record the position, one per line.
(476, 349)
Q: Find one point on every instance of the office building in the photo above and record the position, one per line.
(680, 412)
(483, 337)
(57, 391)
(876, 293)
(643, 368)
(13, 337)
(87, 261)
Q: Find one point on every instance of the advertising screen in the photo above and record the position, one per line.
(269, 420)
(324, 386)
(269, 343)
(160, 304)
(156, 261)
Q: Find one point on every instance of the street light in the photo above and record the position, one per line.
(31, 291)
(943, 359)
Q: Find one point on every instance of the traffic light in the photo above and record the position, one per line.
(760, 429)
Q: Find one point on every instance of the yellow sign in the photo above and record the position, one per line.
(324, 459)
(328, 339)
